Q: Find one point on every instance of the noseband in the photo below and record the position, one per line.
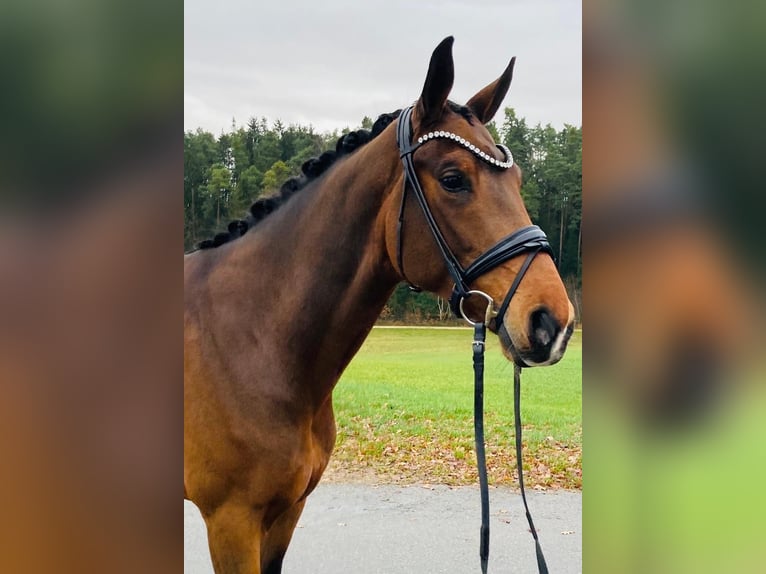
(531, 240)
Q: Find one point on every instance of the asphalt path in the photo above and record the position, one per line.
(416, 529)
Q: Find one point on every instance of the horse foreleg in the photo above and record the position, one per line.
(278, 537)
(234, 534)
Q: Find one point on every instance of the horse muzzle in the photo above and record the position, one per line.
(543, 343)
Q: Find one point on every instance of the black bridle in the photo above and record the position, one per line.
(530, 240)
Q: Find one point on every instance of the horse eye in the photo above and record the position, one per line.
(454, 183)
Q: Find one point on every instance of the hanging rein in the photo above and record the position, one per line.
(530, 240)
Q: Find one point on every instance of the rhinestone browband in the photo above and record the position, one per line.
(472, 148)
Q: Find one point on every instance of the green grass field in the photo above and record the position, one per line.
(404, 409)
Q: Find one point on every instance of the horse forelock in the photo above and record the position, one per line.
(464, 111)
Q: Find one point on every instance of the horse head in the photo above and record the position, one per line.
(470, 190)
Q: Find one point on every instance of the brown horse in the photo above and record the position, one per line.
(272, 317)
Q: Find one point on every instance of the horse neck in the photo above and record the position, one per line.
(325, 255)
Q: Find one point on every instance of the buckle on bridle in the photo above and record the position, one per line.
(489, 312)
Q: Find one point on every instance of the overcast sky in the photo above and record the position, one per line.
(329, 63)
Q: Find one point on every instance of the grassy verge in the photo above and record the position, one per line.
(404, 409)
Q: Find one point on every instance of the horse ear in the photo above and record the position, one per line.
(485, 104)
(441, 74)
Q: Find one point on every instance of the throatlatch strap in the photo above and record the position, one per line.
(399, 240)
(479, 337)
(542, 567)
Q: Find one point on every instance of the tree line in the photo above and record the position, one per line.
(223, 175)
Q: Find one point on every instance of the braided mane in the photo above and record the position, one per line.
(312, 169)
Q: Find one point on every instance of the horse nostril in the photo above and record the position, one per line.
(543, 328)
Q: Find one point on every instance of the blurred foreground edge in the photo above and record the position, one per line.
(91, 173)
(672, 309)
